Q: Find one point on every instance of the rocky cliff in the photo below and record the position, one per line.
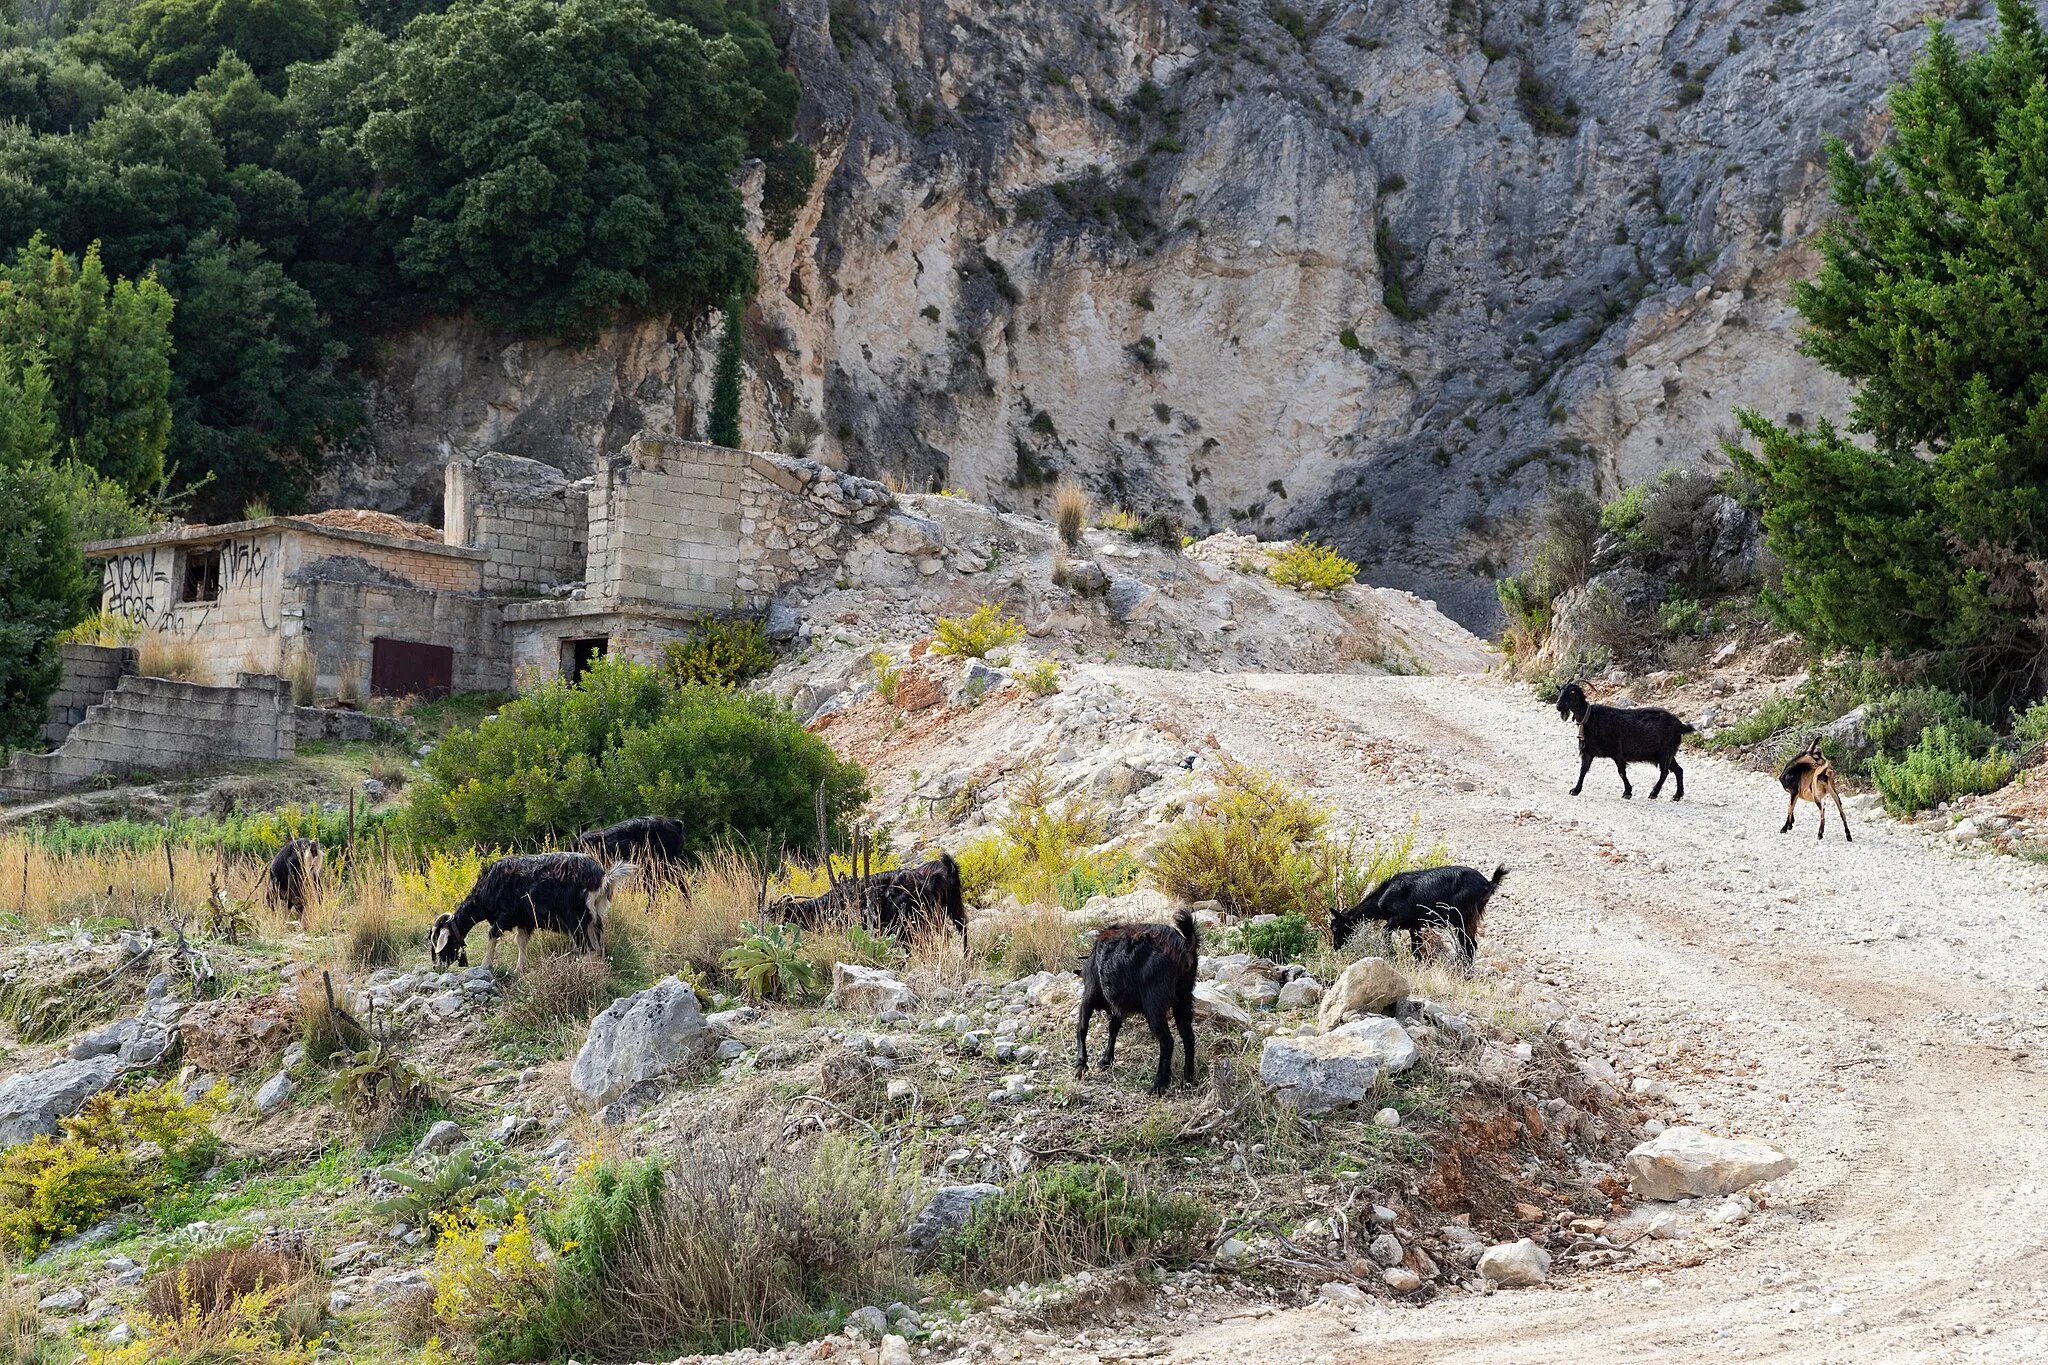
(1379, 272)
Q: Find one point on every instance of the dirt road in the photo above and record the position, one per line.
(1892, 992)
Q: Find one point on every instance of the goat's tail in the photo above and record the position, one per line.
(1500, 873)
(1686, 727)
(1184, 921)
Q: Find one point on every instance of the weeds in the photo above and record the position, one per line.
(988, 628)
(1308, 567)
(160, 656)
(1071, 1216)
(1938, 768)
(456, 1182)
(770, 963)
(555, 996)
(720, 654)
(1042, 678)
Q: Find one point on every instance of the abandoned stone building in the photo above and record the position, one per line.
(531, 577)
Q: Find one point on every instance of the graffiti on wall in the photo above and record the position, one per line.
(139, 587)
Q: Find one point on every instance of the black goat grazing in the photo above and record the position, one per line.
(1450, 897)
(1809, 776)
(645, 840)
(1146, 969)
(1643, 734)
(564, 893)
(295, 875)
(898, 903)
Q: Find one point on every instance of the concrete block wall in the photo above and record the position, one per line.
(338, 621)
(156, 725)
(90, 672)
(701, 528)
(531, 519)
(665, 525)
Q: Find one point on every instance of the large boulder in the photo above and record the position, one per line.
(1315, 1074)
(1515, 1265)
(869, 990)
(31, 1103)
(947, 1212)
(638, 1039)
(1368, 986)
(1685, 1162)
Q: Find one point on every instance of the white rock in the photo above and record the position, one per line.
(947, 1211)
(1513, 1265)
(1342, 1294)
(1665, 1227)
(443, 1135)
(63, 1301)
(1315, 1074)
(1400, 1279)
(1231, 1250)
(120, 1334)
(895, 1351)
(1302, 993)
(32, 1102)
(1212, 1004)
(638, 1039)
(1386, 1249)
(272, 1095)
(1366, 987)
(1389, 1117)
(1682, 1161)
(869, 990)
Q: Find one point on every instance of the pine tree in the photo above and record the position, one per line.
(43, 583)
(1930, 537)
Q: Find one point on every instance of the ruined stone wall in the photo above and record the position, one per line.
(798, 518)
(529, 516)
(90, 672)
(238, 630)
(154, 725)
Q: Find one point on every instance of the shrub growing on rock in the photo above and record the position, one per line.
(719, 654)
(988, 628)
(1308, 567)
(117, 1149)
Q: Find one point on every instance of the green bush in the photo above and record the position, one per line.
(120, 1148)
(1681, 616)
(1072, 1216)
(1898, 719)
(2030, 727)
(1939, 767)
(988, 628)
(1284, 939)
(1306, 566)
(719, 654)
(619, 742)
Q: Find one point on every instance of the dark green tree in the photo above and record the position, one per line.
(43, 584)
(106, 346)
(1930, 537)
(172, 43)
(724, 424)
(556, 163)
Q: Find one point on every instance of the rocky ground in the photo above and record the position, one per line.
(1518, 1163)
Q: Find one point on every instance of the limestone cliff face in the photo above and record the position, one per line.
(1380, 272)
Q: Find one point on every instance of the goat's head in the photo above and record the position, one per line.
(1342, 925)
(1571, 702)
(447, 946)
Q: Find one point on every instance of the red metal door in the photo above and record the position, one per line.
(407, 668)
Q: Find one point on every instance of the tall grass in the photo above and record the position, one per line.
(1070, 513)
(158, 655)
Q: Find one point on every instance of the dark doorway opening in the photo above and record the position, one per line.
(578, 656)
(407, 668)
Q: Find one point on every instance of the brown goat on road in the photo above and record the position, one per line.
(1810, 777)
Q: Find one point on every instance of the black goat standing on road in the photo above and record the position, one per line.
(645, 841)
(1452, 897)
(295, 875)
(1146, 969)
(564, 893)
(1643, 734)
(897, 903)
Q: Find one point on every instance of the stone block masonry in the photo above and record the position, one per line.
(155, 725)
(90, 672)
(531, 519)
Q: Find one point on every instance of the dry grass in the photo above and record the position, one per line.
(1034, 938)
(747, 1241)
(305, 678)
(556, 995)
(351, 689)
(690, 932)
(159, 656)
(1070, 513)
(212, 1281)
(323, 1030)
(60, 887)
